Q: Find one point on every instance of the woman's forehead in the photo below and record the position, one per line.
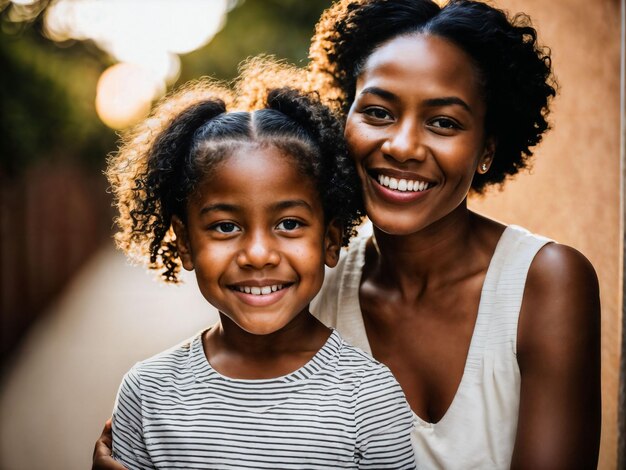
(421, 63)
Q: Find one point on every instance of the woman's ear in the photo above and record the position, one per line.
(487, 158)
(332, 243)
(182, 243)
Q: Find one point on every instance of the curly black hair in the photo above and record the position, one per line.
(515, 71)
(162, 161)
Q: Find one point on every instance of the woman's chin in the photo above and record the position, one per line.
(395, 224)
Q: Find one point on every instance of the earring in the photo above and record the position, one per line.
(484, 167)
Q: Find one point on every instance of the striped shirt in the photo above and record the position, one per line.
(342, 409)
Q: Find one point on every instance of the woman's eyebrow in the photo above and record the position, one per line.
(446, 101)
(382, 93)
(431, 102)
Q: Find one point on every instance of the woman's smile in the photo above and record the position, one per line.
(399, 190)
(416, 131)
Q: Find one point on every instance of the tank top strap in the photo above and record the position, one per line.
(503, 291)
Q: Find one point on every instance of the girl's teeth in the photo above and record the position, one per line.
(403, 184)
(259, 290)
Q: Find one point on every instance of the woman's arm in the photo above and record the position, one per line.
(102, 452)
(559, 359)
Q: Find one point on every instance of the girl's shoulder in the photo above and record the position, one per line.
(170, 361)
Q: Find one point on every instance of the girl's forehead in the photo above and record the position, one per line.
(257, 171)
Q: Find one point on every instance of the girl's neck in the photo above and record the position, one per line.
(235, 353)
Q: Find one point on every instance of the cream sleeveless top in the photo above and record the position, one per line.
(478, 429)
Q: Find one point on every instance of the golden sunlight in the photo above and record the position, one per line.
(148, 35)
(124, 95)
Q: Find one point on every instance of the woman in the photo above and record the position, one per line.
(492, 332)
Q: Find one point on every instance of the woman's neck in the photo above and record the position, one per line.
(437, 254)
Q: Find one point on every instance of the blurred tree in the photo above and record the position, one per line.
(46, 102)
(47, 90)
(279, 27)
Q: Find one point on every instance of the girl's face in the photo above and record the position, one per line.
(416, 132)
(255, 236)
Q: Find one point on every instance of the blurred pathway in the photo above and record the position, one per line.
(61, 387)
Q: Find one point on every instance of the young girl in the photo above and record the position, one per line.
(259, 201)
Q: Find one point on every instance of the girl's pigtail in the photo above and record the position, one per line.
(168, 181)
(150, 173)
(339, 183)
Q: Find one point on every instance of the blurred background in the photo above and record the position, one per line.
(74, 315)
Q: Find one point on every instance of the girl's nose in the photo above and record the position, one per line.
(258, 252)
(405, 142)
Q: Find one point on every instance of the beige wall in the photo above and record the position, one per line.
(572, 193)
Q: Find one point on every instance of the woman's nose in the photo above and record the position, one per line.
(258, 251)
(405, 142)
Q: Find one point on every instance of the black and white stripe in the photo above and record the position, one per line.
(341, 410)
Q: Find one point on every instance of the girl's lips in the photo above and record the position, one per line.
(255, 299)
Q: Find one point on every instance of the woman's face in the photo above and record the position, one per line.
(416, 132)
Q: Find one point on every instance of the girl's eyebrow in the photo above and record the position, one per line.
(219, 207)
(292, 203)
(281, 205)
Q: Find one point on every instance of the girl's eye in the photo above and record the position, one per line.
(225, 227)
(378, 113)
(288, 225)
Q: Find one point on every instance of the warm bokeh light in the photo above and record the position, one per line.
(24, 2)
(149, 35)
(124, 95)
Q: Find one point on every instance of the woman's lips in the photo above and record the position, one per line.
(402, 184)
(399, 190)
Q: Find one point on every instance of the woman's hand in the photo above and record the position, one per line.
(102, 452)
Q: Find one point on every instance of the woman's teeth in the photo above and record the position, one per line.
(265, 290)
(402, 185)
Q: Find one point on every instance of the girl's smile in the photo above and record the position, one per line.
(256, 238)
(261, 293)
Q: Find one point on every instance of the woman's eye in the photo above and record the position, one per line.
(444, 123)
(377, 113)
(225, 227)
(288, 224)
